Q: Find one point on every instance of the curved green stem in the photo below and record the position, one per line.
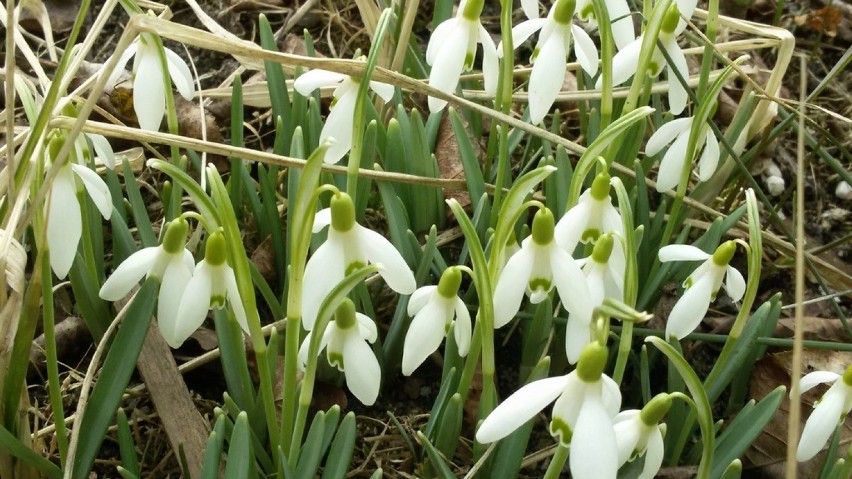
(557, 464)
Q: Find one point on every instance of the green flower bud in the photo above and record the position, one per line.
(656, 409)
(592, 362)
(345, 314)
(542, 227)
(600, 186)
(216, 252)
(56, 141)
(847, 376)
(671, 19)
(342, 212)
(564, 11)
(603, 248)
(724, 253)
(175, 238)
(448, 286)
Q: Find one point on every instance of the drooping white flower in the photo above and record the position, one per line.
(639, 433)
(103, 150)
(551, 53)
(536, 268)
(676, 132)
(452, 48)
(339, 123)
(171, 263)
(604, 273)
(592, 216)
(349, 246)
(586, 402)
(212, 284)
(345, 341)
(149, 91)
(828, 412)
(702, 285)
(433, 309)
(626, 61)
(619, 15)
(64, 218)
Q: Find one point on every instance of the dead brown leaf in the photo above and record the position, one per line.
(448, 155)
(824, 21)
(263, 258)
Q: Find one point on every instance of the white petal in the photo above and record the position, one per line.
(103, 150)
(234, 299)
(530, 8)
(626, 434)
(624, 63)
(571, 284)
(817, 377)
(677, 92)
(321, 220)
(420, 298)
(577, 336)
(690, 308)
(366, 327)
(96, 188)
(612, 221)
(653, 454)
(193, 308)
(423, 337)
(149, 97)
(569, 230)
(490, 62)
(394, 270)
(64, 222)
(322, 273)
(122, 62)
(585, 49)
(447, 66)
(384, 90)
(524, 30)
(462, 327)
(622, 30)
(511, 286)
(671, 165)
(710, 157)
(175, 279)
(519, 408)
(666, 134)
(611, 395)
(686, 8)
(593, 455)
(362, 371)
(439, 36)
(567, 406)
(682, 252)
(339, 126)
(735, 284)
(129, 273)
(821, 423)
(310, 81)
(547, 77)
(180, 73)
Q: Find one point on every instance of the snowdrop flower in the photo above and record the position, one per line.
(103, 150)
(433, 309)
(551, 53)
(452, 48)
(639, 433)
(212, 284)
(339, 123)
(149, 91)
(536, 268)
(676, 132)
(344, 341)
(619, 14)
(604, 274)
(626, 61)
(170, 263)
(586, 402)
(828, 412)
(64, 219)
(702, 285)
(349, 246)
(592, 216)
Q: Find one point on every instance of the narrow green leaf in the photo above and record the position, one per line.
(240, 456)
(126, 445)
(340, 455)
(12, 445)
(213, 451)
(309, 460)
(435, 458)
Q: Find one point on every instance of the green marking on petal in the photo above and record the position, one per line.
(847, 376)
(656, 409)
(542, 227)
(215, 252)
(448, 286)
(590, 235)
(468, 60)
(592, 362)
(588, 11)
(724, 253)
(540, 284)
(353, 266)
(344, 317)
(217, 301)
(342, 212)
(175, 238)
(336, 360)
(562, 430)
